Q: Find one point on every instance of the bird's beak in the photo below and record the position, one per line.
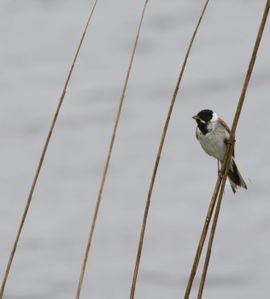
(195, 117)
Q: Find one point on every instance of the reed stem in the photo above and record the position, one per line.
(163, 136)
(230, 151)
(43, 154)
(108, 159)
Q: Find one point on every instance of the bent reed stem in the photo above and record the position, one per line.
(164, 132)
(108, 158)
(203, 237)
(230, 150)
(43, 154)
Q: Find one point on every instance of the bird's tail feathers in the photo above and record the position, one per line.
(235, 177)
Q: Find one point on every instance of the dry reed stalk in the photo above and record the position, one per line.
(230, 150)
(43, 154)
(203, 236)
(108, 158)
(164, 132)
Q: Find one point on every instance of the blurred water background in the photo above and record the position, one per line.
(38, 40)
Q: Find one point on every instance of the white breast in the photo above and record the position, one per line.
(213, 142)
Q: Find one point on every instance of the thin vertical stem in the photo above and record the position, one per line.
(43, 154)
(220, 193)
(108, 158)
(202, 238)
(237, 115)
(164, 132)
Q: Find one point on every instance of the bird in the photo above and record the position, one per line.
(213, 134)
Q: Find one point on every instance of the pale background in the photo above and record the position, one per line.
(38, 40)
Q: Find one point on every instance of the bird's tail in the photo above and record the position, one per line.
(235, 177)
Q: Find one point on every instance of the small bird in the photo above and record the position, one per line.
(213, 135)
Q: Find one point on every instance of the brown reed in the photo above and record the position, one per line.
(108, 158)
(164, 132)
(203, 236)
(43, 154)
(230, 150)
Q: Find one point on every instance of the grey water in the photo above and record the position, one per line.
(38, 41)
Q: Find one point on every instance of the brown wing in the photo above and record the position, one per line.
(227, 129)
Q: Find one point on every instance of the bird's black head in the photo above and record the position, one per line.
(203, 118)
(205, 115)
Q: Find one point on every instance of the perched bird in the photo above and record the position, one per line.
(213, 134)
